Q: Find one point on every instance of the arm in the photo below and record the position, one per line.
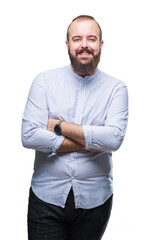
(100, 138)
(74, 137)
(70, 146)
(70, 130)
(110, 136)
(34, 122)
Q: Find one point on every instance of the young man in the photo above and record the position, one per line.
(74, 118)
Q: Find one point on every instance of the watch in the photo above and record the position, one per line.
(57, 128)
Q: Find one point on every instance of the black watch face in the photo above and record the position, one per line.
(57, 130)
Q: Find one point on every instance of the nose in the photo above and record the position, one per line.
(84, 43)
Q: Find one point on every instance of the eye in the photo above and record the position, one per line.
(92, 39)
(76, 39)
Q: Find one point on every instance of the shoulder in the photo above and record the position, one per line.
(53, 72)
(114, 85)
(49, 76)
(113, 81)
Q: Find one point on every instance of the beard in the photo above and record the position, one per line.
(86, 69)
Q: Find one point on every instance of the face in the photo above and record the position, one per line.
(84, 46)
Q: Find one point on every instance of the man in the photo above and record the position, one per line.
(74, 118)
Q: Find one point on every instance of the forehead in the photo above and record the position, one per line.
(84, 28)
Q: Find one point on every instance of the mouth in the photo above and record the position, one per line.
(84, 52)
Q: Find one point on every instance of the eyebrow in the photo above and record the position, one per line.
(92, 36)
(77, 36)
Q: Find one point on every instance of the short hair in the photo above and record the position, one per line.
(85, 17)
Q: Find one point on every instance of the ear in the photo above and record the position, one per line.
(67, 44)
(101, 44)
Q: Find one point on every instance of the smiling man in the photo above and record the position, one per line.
(84, 43)
(74, 118)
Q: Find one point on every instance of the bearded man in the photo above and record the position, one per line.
(74, 118)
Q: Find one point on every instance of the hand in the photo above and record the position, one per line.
(93, 150)
(51, 124)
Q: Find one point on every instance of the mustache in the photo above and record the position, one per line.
(84, 50)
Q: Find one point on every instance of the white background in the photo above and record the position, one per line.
(32, 39)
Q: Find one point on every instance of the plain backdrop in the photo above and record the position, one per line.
(32, 39)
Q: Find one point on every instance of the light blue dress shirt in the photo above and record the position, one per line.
(100, 104)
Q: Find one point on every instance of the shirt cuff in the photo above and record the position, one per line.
(88, 135)
(57, 143)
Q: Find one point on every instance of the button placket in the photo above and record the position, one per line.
(79, 108)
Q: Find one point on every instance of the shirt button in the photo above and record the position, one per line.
(72, 177)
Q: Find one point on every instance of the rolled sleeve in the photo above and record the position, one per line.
(35, 118)
(88, 135)
(110, 136)
(57, 143)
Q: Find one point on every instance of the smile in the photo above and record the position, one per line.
(84, 53)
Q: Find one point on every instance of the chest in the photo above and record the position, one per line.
(82, 104)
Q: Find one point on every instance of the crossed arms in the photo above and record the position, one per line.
(37, 127)
(74, 137)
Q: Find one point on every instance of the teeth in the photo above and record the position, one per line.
(84, 53)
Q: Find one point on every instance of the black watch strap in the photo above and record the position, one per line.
(57, 128)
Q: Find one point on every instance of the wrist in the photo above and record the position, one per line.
(57, 128)
(73, 131)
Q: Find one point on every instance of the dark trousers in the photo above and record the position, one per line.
(50, 222)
